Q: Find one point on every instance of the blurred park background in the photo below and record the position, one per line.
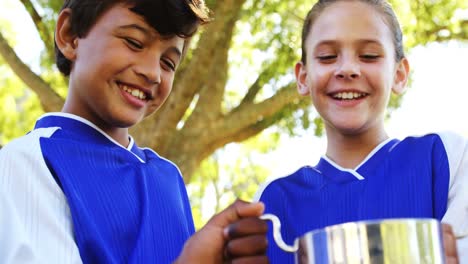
(234, 118)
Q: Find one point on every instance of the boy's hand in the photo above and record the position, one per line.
(450, 244)
(235, 235)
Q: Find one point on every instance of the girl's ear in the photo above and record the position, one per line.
(65, 40)
(401, 76)
(301, 78)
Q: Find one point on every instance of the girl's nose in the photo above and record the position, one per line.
(348, 69)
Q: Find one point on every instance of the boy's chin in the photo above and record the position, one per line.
(151, 110)
(130, 120)
(127, 121)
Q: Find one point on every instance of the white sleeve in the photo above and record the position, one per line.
(457, 207)
(35, 221)
(462, 248)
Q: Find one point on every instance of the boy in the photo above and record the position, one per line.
(352, 59)
(77, 188)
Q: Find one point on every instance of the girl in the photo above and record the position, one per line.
(352, 59)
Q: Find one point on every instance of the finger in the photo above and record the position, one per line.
(246, 209)
(239, 209)
(446, 228)
(247, 246)
(451, 260)
(450, 244)
(247, 226)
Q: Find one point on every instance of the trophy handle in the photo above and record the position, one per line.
(277, 234)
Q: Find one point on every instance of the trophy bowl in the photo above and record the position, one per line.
(392, 241)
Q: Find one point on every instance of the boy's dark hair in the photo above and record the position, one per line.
(381, 6)
(167, 17)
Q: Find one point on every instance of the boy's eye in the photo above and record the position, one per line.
(168, 63)
(134, 43)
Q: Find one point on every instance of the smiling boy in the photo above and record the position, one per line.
(122, 70)
(77, 188)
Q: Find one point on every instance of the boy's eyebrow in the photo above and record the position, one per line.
(144, 30)
(148, 32)
(176, 51)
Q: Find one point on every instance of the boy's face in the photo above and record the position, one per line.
(122, 70)
(351, 67)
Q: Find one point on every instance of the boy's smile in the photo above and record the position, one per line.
(350, 67)
(134, 94)
(137, 92)
(122, 70)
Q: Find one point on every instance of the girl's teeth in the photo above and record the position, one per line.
(348, 95)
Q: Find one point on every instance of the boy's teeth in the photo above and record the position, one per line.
(134, 92)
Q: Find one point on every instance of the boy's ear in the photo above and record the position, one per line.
(65, 39)
(301, 78)
(401, 76)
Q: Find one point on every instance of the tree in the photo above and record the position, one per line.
(234, 83)
(223, 178)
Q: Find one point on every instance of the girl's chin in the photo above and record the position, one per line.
(349, 128)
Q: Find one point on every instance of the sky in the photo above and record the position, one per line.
(436, 100)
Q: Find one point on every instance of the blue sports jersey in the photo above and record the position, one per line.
(408, 178)
(127, 205)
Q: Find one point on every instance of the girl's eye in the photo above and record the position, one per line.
(133, 43)
(168, 63)
(370, 57)
(326, 58)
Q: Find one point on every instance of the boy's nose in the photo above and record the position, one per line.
(150, 71)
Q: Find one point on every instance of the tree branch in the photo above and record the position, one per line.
(241, 133)
(252, 92)
(248, 114)
(262, 78)
(199, 73)
(212, 94)
(208, 108)
(49, 99)
(261, 125)
(42, 29)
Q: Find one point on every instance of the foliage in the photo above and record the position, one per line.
(222, 177)
(20, 106)
(14, 120)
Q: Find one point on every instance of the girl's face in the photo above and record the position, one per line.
(351, 67)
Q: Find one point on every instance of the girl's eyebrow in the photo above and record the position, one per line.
(369, 41)
(334, 42)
